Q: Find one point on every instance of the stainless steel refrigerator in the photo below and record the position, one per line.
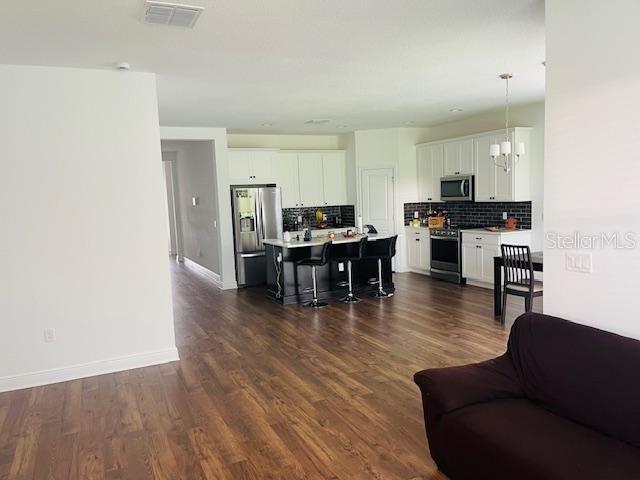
(257, 214)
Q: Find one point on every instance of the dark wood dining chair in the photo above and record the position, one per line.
(518, 276)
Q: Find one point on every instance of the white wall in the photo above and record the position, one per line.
(388, 148)
(592, 163)
(287, 142)
(83, 225)
(196, 178)
(531, 115)
(225, 229)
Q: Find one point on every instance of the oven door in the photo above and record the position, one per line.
(445, 253)
(456, 188)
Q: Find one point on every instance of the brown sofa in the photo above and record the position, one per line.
(562, 403)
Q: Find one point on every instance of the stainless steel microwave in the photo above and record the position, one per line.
(456, 188)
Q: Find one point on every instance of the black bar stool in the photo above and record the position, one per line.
(349, 258)
(384, 249)
(314, 262)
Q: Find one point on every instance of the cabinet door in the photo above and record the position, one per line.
(425, 251)
(430, 168)
(310, 175)
(466, 157)
(487, 254)
(413, 251)
(458, 158)
(239, 166)
(286, 173)
(451, 158)
(485, 177)
(471, 257)
(261, 166)
(334, 176)
(504, 181)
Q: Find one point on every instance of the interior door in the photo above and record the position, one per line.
(378, 198)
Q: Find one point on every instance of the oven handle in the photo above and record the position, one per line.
(448, 239)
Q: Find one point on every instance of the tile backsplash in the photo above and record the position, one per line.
(345, 212)
(474, 213)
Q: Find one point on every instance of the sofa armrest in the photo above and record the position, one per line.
(451, 388)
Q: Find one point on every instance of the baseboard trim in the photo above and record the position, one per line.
(89, 369)
(205, 272)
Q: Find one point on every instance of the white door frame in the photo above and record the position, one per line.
(174, 197)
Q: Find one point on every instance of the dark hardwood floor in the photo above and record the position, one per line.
(261, 392)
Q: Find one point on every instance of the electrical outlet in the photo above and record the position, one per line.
(341, 267)
(416, 214)
(579, 262)
(504, 215)
(49, 335)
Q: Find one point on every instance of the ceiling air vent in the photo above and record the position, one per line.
(175, 14)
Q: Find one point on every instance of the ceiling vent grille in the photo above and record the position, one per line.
(174, 14)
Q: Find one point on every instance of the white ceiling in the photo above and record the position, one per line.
(360, 63)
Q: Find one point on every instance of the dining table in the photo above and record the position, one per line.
(536, 260)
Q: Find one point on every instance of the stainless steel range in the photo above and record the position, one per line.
(446, 254)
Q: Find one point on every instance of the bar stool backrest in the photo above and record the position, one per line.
(362, 246)
(324, 255)
(392, 246)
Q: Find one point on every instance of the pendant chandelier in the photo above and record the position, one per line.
(502, 154)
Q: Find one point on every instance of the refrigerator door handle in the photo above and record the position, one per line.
(252, 255)
(259, 218)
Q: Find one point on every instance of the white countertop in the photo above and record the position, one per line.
(478, 231)
(474, 230)
(321, 239)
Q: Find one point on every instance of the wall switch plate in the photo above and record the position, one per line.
(504, 215)
(341, 267)
(49, 335)
(195, 201)
(579, 262)
(300, 219)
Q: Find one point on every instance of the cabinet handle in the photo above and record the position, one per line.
(478, 246)
(478, 238)
(429, 198)
(417, 239)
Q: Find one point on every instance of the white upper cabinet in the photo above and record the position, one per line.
(286, 173)
(249, 167)
(458, 157)
(430, 168)
(239, 164)
(492, 183)
(334, 178)
(311, 183)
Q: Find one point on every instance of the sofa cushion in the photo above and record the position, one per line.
(515, 439)
(587, 375)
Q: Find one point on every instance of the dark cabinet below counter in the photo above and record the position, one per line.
(288, 283)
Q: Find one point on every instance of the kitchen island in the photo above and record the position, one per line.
(289, 283)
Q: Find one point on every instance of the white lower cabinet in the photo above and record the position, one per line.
(418, 249)
(479, 249)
